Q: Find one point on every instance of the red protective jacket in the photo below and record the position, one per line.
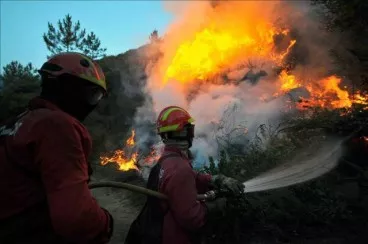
(181, 184)
(52, 148)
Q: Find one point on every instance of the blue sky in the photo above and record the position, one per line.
(120, 25)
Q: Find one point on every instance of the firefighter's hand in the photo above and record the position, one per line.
(221, 182)
(216, 206)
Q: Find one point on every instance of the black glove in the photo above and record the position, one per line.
(216, 206)
(221, 182)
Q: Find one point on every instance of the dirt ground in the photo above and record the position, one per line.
(123, 205)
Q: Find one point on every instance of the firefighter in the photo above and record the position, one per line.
(43, 160)
(181, 219)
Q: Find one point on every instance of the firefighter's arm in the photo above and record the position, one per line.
(182, 192)
(74, 213)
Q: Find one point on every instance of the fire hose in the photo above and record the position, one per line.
(142, 190)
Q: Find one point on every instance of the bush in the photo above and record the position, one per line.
(288, 213)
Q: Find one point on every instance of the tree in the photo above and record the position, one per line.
(91, 47)
(69, 36)
(20, 84)
(15, 72)
(154, 36)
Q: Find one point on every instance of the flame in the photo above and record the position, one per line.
(288, 81)
(125, 162)
(327, 93)
(324, 93)
(119, 157)
(121, 160)
(226, 37)
(131, 139)
(361, 99)
(233, 33)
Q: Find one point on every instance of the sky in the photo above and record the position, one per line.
(120, 25)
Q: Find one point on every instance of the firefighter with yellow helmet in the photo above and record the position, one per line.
(180, 219)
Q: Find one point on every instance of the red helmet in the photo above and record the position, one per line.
(75, 64)
(173, 118)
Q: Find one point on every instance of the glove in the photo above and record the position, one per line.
(216, 206)
(221, 182)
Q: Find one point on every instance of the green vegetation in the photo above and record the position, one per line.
(20, 84)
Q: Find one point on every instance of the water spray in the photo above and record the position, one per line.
(298, 170)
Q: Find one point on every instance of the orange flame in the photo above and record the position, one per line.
(121, 160)
(229, 35)
(125, 163)
(131, 139)
(327, 93)
(288, 81)
(233, 33)
(361, 99)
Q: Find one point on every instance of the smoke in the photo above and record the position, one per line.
(231, 98)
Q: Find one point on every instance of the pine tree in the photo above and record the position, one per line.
(15, 72)
(20, 84)
(154, 36)
(91, 46)
(67, 37)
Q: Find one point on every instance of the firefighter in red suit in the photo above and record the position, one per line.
(44, 172)
(181, 219)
